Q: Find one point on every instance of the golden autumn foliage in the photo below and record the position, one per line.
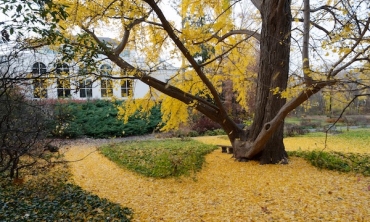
(212, 41)
(231, 59)
(226, 190)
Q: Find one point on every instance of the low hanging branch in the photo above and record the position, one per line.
(248, 149)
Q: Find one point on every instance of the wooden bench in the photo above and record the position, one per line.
(226, 149)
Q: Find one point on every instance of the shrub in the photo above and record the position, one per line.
(358, 121)
(204, 124)
(309, 124)
(291, 130)
(24, 128)
(342, 162)
(215, 132)
(50, 198)
(193, 133)
(98, 119)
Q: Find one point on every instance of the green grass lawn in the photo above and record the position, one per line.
(176, 157)
(159, 158)
(347, 151)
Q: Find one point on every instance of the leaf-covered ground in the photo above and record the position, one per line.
(226, 190)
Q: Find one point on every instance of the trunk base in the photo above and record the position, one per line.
(272, 154)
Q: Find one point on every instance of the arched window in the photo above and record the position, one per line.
(39, 69)
(62, 68)
(63, 81)
(39, 84)
(106, 69)
(106, 85)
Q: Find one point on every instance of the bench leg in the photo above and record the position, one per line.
(231, 150)
(224, 149)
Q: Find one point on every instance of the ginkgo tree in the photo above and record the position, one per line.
(216, 42)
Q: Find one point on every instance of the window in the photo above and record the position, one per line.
(126, 84)
(106, 85)
(63, 87)
(63, 82)
(38, 69)
(85, 87)
(126, 87)
(40, 84)
(40, 88)
(106, 70)
(83, 71)
(62, 69)
(106, 88)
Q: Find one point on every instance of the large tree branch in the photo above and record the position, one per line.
(270, 127)
(257, 4)
(127, 31)
(167, 26)
(212, 111)
(121, 46)
(306, 39)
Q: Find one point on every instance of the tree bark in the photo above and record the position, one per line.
(273, 73)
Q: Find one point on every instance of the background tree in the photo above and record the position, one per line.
(24, 124)
(24, 127)
(339, 29)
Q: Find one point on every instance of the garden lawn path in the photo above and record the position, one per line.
(226, 190)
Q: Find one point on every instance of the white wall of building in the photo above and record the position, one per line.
(23, 66)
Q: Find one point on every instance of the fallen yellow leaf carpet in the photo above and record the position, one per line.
(226, 190)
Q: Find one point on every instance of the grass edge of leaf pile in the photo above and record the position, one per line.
(159, 158)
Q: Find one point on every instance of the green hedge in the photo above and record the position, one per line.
(337, 161)
(98, 119)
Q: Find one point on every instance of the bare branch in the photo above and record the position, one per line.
(227, 51)
(250, 33)
(329, 9)
(341, 60)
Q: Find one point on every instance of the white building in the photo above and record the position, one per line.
(49, 77)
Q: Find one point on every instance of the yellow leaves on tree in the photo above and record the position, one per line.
(174, 113)
(203, 24)
(134, 106)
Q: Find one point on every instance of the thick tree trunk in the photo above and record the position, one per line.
(273, 73)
